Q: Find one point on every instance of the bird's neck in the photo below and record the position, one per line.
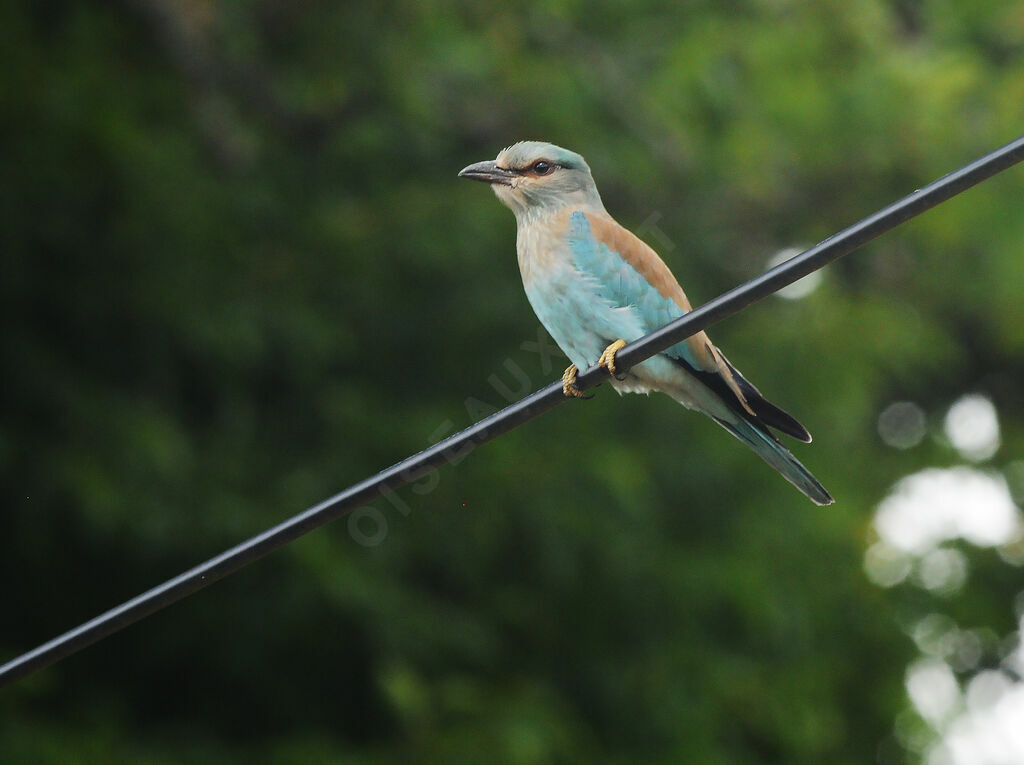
(539, 215)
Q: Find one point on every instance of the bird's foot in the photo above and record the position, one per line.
(569, 383)
(607, 359)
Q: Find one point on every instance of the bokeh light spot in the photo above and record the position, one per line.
(942, 571)
(936, 505)
(885, 565)
(801, 287)
(972, 426)
(902, 425)
(933, 690)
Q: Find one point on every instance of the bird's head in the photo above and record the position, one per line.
(534, 178)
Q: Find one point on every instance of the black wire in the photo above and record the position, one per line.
(501, 422)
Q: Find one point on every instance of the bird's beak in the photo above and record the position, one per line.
(488, 172)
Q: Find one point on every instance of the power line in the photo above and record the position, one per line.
(501, 422)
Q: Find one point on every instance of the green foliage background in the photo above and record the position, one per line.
(239, 274)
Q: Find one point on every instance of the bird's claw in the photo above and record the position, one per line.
(569, 383)
(607, 359)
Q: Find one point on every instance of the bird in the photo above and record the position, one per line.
(596, 286)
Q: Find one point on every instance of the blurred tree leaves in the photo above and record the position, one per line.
(239, 274)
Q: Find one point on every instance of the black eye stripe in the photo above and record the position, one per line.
(545, 167)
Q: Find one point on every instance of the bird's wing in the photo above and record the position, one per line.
(630, 273)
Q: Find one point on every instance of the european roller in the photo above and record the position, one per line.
(595, 287)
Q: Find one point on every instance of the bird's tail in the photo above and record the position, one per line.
(768, 448)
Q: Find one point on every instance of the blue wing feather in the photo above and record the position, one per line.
(621, 284)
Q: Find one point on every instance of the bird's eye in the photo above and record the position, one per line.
(541, 167)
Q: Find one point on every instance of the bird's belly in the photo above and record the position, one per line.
(660, 373)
